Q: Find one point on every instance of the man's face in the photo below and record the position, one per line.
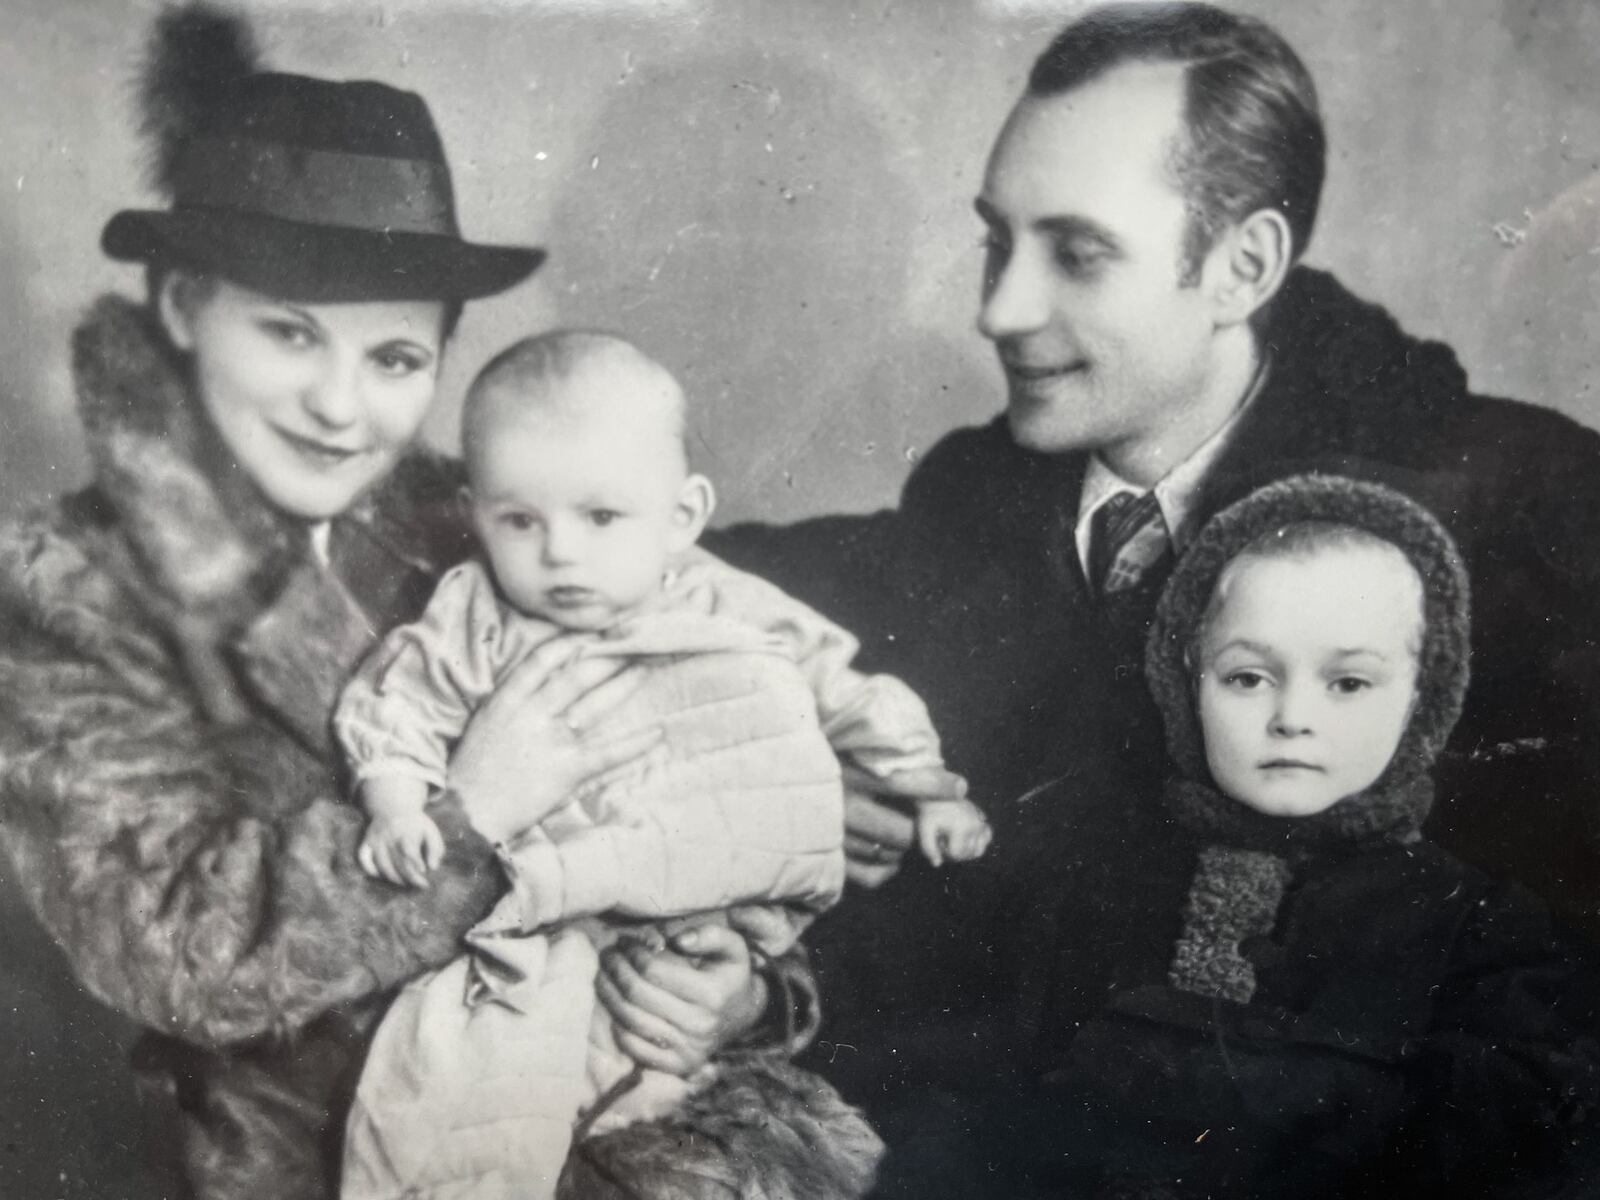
(1103, 346)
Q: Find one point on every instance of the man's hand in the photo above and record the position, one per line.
(878, 831)
(678, 1002)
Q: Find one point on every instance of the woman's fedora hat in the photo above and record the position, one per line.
(301, 188)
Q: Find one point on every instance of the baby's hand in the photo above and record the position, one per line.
(402, 848)
(953, 829)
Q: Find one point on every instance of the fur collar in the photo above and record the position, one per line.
(252, 616)
(207, 548)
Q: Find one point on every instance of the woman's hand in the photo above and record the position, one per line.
(526, 750)
(677, 1002)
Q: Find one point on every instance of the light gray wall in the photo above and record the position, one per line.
(775, 196)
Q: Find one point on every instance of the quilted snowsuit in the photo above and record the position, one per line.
(170, 654)
(480, 1070)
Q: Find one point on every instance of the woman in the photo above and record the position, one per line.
(173, 638)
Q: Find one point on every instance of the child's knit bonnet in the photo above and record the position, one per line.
(1248, 857)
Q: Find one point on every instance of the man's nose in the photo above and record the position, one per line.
(335, 397)
(1015, 297)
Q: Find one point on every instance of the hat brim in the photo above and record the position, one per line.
(317, 263)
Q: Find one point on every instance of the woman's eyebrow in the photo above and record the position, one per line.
(303, 314)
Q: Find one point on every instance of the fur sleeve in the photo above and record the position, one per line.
(201, 880)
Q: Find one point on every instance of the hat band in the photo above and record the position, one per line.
(316, 187)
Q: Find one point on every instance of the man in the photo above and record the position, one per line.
(1146, 202)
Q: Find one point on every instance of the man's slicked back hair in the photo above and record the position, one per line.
(1253, 135)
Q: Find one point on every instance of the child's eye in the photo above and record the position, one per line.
(1349, 685)
(604, 516)
(521, 522)
(1244, 681)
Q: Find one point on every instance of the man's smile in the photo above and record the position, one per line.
(1039, 373)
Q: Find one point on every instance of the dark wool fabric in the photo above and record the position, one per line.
(954, 994)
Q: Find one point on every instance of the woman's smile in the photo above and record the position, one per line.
(318, 452)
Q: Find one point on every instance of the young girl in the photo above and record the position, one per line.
(587, 515)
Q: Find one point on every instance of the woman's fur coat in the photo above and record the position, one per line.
(170, 652)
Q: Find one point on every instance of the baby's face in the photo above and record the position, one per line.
(580, 515)
(1307, 674)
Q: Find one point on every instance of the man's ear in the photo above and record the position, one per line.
(697, 500)
(1247, 265)
(175, 296)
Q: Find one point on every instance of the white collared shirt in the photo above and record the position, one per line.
(1177, 492)
(321, 533)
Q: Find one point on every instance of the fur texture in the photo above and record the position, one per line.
(1234, 896)
(195, 52)
(198, 872)
(765, 1130)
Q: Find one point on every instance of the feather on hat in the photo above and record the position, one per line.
(195, 54)
(301, 188)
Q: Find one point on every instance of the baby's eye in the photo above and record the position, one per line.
(1349, 685)
(604, 516)
(520, 522)
(398, 362)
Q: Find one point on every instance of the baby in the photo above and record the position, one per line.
(1342, 998)
(587, 515)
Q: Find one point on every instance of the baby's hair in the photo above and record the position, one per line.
(1300, 540)
(527, 376)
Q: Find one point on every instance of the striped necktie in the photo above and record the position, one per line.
(1127, 538)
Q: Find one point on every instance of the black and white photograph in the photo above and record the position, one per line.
(800, 599)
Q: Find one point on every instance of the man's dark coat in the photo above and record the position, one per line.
(971, 592)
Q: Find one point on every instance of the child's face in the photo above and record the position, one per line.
(1307, 675)
(581, 514)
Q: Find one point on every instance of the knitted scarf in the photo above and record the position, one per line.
(1249, 859)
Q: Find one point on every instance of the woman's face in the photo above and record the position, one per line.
(315, 401)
